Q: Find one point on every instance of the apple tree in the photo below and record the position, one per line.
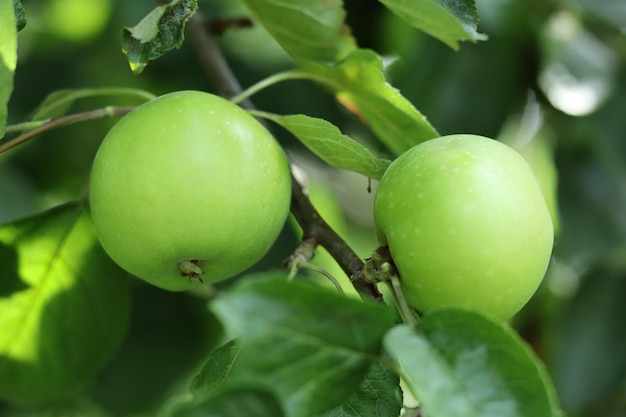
(310, 208)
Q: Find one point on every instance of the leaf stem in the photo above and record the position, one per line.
(110, 111)
(267, 82)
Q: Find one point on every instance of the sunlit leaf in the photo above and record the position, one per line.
(448, 21)
(326, 141)
(310, 346)
(463, 364)
(306, 29)
(160, 31)
(360, 85)
(8, 58)
(64, 306)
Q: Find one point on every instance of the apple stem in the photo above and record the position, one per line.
(408, 316)
(190, 268)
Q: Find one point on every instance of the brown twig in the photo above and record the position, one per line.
(315, 229)
(110, 111)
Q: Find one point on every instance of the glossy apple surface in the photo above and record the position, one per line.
(188, 187)
(466, 225)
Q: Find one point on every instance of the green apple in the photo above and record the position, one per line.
(187, 188)
(466, 225)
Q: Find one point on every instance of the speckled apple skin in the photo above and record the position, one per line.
(466, 225)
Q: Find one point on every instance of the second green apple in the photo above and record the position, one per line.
(466, 225)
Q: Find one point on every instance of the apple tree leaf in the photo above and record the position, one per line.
(8, 58)
(20, 15)
(64, 306)
(234, 402)
(159, 31)
(214, 394)
(326, 141)
(310, 346)
(461, 363)
(216, 371)
(309, 30)
(378, 396)
(360, 86)
(448, 21)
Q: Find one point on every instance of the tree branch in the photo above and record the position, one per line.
(102, 113)
(315, 229)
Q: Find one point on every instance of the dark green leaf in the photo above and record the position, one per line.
(20, 15)
(378, 396)
(235, 402)
(448, 21)
(310, 346)
(359, 84)
(326, 141)
(8, 58)
(67, 309)
(160, 31)
(463, 364)
(309, 30)
(217, 369)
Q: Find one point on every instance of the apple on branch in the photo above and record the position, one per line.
(466, 225)
(187, 188)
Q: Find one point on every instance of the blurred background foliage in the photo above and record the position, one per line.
(551, 81)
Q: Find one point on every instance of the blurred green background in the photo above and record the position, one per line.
(550, 81)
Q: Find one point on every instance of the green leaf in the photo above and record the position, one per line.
(310, 346)
(20, 15)
(326, 141)
(58, 102)
(359, 84)
(217, 369)
(463, 364)
(448, 21)
(65, 310)
(378, 396)
(160, 31)
(309, 30)
(8, 58)
(235, 402)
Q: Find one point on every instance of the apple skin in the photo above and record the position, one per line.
(188, 187)
(466, 225)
